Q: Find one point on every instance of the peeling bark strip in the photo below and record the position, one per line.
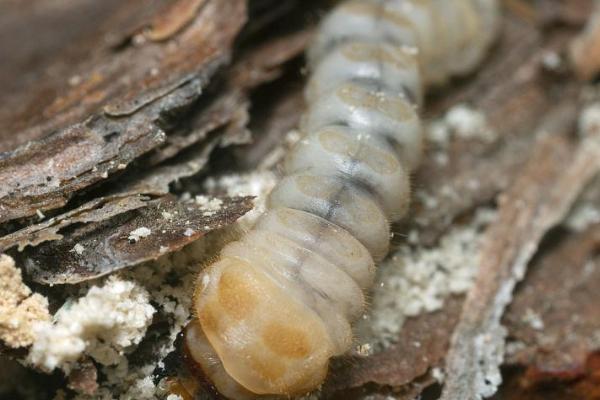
(112, 120)
(93, 211)
(101, 247)
(538, 200)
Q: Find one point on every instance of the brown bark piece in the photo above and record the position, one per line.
(539, 199)
(99, 248)
(139, 84)
(551, 317)
(423, 344)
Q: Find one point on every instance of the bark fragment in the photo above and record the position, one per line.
(101, 247)
(538, 200)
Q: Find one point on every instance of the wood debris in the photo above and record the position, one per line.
(126, 239)
(537, 201)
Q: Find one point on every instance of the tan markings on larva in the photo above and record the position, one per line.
(312, 186)
(375, 11)
(380, 161)
(346, 247)
(366, 52)
(279, 303)
(471, 24)
(438, 21)
(209, 318)
(364, 212)
(395, 108)
(270, 369)
(336, 142)
(285, 340)
(236, 296)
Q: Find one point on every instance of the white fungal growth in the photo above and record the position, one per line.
(20, 309)
(416, 280)
(280, 302)
(461, 121)
(78, 248)
(136, 234)
(257, 184)
(582, 216)
(188, 232)
(104, 323)
(209, 206)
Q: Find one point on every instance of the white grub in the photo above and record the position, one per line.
(461, 121)
(415, 280)
(78, 248)
(103, 324)
(40, 214)
(136, 234)
(210, 206)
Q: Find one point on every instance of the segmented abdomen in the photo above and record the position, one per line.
(279, 303)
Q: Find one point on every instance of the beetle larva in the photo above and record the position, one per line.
(279, 303)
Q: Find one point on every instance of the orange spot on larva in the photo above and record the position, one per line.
(208, 318)
(236, 295)
(286, 341)
(270, 369)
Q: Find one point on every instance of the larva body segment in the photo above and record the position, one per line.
(397, 69)
(336, 151)
(279, 302)
(330, 241)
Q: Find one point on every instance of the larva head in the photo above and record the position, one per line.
(267, 341)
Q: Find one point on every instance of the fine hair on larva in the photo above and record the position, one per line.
(279, 303)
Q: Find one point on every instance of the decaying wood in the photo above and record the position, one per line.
(116, 165)
(107, 246)
(84, 115)
(538, 200)
(423, 344)
(554, 335)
